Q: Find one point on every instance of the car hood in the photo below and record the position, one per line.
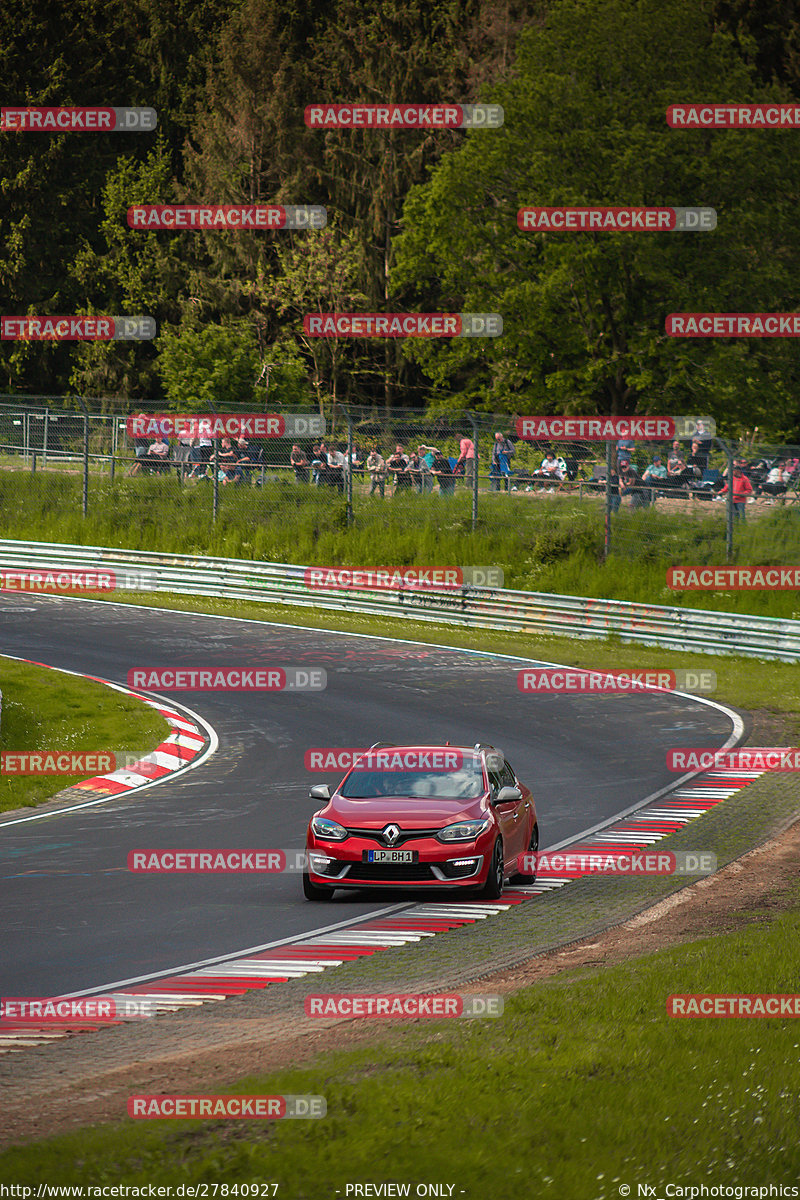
(374, 813)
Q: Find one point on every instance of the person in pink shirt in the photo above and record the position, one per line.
(742, 488)
(466, 454)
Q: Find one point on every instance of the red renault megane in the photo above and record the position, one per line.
(427, 817)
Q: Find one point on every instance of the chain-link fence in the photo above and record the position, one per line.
(650, 497)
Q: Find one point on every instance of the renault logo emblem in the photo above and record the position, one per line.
(390, 834)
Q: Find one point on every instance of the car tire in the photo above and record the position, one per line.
(312, 892)
(522, 876)
(493, 888)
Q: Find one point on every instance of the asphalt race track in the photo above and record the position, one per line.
(75, 919)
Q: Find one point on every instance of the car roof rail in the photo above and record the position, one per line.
(483, 746)
(381, 745)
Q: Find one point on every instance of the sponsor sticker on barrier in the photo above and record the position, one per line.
(227, 216)
(564, 680)
(400, 1004)
(38, 119)
(616, 220)
(403, 116)
(398, 325)
(197, 1107)
(750, 758)
(229, 679)
(77, 329)
(609, 429)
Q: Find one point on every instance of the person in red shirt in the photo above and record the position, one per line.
(742, 488)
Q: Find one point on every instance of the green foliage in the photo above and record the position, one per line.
(584, 312)
(548, 545)
(208, 366)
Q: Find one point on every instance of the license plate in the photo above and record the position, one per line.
(390, 856)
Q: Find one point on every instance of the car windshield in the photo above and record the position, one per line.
(465, 783)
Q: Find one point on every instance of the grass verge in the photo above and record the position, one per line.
(49, 710)
(547, 544)
(584, 1086)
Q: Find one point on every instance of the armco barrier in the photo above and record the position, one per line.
(476, 607)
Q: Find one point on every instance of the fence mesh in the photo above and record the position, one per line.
(648, 500)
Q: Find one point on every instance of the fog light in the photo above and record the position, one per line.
(319, 862)
(463, 862)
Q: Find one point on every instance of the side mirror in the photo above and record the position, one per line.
(508, 794)
(320, 791)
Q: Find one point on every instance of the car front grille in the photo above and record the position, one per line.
(389, 872)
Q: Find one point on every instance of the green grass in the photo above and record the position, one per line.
(549, 545)
(584, 1084)
(50, 710)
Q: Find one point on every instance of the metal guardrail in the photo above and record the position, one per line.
(475, 607)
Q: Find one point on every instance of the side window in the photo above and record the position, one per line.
(507, 778)
(495, 783)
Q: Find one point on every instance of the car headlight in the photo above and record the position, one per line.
(462, 831)
(329, 831)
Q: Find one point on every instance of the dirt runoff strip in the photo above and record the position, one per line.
(88, 1080)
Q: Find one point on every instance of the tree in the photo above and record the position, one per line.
(317, 272)
(584, 313)
(209, 367)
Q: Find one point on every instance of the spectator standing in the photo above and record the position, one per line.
(442, 471)
(415, 470)
(299, 462)
(140, 447)
(502, 452)
(466, 455)
(742, 489)
(337, 465)
(398, 465)
(376, 469)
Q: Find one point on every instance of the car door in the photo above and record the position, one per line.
(525, 810)
(507, 815)
(520, 809)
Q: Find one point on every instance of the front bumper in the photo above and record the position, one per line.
(441, 867)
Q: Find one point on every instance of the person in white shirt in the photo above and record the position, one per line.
(552, 468)
(777, 480)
